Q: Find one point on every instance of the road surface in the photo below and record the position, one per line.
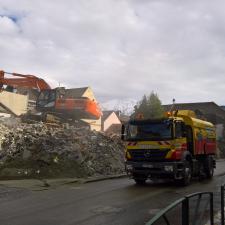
(109, 202)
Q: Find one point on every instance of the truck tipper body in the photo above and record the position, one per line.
(177, 147)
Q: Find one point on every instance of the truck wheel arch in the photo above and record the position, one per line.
(187, 156)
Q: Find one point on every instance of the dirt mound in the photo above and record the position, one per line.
(45, 151)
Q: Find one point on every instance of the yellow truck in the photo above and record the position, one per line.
(178, 146)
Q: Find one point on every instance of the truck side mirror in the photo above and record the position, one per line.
(123, 128)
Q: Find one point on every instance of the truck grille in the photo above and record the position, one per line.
(148, 155)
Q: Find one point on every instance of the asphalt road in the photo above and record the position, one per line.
(109, 202)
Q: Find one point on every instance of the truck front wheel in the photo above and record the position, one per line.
(187, 174)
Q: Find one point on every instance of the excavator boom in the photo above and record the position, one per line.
(28, 81)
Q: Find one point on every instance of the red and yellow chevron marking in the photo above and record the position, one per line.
(163, 142)
(132, 143)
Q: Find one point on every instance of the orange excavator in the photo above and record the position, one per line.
(60, 102)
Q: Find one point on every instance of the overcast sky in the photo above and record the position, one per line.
(121, 48)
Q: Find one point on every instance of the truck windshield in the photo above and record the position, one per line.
(150, 131)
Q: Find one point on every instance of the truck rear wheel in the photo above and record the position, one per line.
(208, 167)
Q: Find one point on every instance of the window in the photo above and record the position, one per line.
(179, 129)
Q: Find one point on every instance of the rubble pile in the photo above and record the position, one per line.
(47, 151)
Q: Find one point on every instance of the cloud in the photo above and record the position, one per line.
(122, 49)
(8, 26)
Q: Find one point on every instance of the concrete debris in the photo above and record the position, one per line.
(39, 150)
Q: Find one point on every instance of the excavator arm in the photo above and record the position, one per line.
(20, 80)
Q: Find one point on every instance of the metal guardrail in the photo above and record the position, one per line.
(222, 188)
(190, 213)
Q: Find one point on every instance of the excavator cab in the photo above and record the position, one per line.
(60, 101)
(46, 100)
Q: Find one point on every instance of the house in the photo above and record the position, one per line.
(110, 122)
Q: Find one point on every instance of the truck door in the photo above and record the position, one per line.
(189, 136)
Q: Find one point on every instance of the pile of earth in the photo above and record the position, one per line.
(40, 150)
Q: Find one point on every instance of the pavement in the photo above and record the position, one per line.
(43, 184)
(113, 201)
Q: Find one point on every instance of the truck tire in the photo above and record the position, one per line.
(186, 180)
(208, 167)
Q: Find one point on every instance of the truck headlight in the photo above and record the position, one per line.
(128, 155)
(168, 168)
(129, 167)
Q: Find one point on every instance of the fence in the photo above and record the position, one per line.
(194, 209)
(222, 203)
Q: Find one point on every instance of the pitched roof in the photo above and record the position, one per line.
(123, 118)
(76, 92)
(106, 114)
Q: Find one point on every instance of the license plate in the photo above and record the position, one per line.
(147, 166)
(129, 167)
